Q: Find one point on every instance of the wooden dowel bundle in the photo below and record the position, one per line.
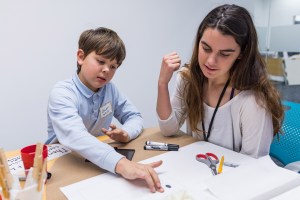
(39, 166)
(5, 175)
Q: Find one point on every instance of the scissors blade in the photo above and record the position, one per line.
(214, 170)
(212, 166)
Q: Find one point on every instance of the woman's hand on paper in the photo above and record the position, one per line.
(116, 134)
(132, 170)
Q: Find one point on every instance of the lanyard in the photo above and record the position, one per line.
(215, 111)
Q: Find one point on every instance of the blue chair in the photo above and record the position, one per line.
(286, 150)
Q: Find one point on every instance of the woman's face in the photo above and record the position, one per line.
(217, 54)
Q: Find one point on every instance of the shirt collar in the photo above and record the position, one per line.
(82, 88)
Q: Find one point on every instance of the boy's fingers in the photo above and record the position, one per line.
(104, 130)
(150, 183)
(112, 126)
(152, 179)
(156, 180)
(156, 164)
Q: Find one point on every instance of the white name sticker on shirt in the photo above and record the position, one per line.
(105, 110)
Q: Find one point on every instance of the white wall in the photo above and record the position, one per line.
(282, 12)
(274, 21)
(39, 41)
(261, 12)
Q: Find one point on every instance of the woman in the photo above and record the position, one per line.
(224, 92)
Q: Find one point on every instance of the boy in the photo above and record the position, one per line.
(83, 107)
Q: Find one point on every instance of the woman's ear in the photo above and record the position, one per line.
(80, 56)
(240, 56)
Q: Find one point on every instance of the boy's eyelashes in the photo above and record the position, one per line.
(102, 62)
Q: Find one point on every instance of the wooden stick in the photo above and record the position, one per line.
(3, 160)
(38, 160)
(42, 175)
(6, 172)
(3, 182)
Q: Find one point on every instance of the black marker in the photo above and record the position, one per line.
(160, 148)
(152, 143)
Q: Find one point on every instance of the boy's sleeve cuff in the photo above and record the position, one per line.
(111, 161)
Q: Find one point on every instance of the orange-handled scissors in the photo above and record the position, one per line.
(210, 159)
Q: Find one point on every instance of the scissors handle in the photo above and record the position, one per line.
(204, 158)
(211, 155)
(210, 160)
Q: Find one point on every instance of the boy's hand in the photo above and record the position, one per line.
(116, 134)
(132, 170)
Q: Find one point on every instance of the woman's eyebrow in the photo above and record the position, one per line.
(228, 50)
(223, 50)
(204, 43)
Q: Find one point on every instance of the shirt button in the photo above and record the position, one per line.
(95, 97)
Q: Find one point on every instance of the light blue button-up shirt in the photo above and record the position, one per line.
(76, 114)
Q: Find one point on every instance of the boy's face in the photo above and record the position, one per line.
(96, 70)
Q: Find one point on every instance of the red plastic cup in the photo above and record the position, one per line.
(28, 153)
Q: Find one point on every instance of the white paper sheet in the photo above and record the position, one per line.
(293, 194)
(192, 180)
(259, 179)
(179, 169)
(111, 187)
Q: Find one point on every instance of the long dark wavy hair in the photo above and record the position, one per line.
(247, 73)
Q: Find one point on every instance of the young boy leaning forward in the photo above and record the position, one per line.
(83, 107)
